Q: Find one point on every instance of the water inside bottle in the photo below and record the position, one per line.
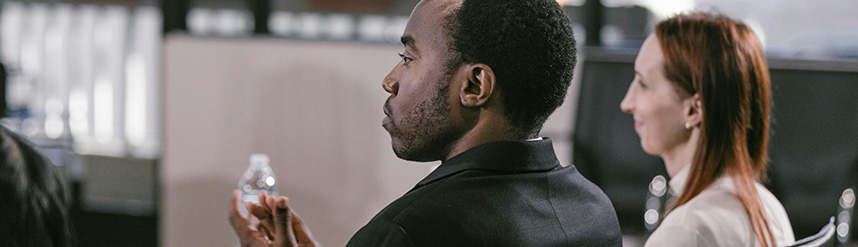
(257, 178)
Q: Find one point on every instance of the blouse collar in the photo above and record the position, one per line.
(678, 181)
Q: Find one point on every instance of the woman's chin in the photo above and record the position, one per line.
(648, 150)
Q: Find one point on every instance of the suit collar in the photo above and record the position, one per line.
(510, 156)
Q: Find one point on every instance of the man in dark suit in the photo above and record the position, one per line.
(476, 82)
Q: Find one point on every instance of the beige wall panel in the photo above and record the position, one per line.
(315, 108)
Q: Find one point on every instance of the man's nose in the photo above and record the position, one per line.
(390, 84)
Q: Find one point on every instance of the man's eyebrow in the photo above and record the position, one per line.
(408, 41)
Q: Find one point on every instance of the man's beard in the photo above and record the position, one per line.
(432, 134)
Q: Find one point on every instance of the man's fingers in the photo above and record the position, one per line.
(262, 197)
(258, 211)
(302, 233)
(236, 202)
(263, 202)
(267, 232)
(237, 220)
(283, 224)
(266, 219)
(270, 203)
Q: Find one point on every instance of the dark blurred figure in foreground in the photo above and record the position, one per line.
(3, 107)
(34, 204)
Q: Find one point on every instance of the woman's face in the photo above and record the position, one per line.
(659, 111)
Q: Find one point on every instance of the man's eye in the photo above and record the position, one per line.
(404, 58)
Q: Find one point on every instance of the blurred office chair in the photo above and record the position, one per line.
(841, 229)
(606, 149)
(813, 148)
(844, 215)
(656, 203)
(824, 238)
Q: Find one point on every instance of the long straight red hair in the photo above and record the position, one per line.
(722, 60)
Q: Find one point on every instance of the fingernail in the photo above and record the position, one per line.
(281, 203)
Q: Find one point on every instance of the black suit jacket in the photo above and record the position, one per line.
(498, 194)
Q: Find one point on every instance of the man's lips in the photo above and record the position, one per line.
(386, 117)
(386, 109)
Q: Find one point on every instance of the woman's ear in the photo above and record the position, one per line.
(479, 85)
(694, 108)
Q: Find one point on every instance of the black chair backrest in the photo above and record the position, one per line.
(813, 148)
(824, 238)
(606, 149)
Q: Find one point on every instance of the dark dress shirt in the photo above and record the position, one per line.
(512, 193)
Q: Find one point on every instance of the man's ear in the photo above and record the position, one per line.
(479, 85)
(694, 108)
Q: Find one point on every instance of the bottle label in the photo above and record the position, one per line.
(250, 198)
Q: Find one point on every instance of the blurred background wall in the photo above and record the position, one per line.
(315, 108)
(151, 108)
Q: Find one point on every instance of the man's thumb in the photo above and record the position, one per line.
(283, 225)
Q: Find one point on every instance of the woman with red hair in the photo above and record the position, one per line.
(701, 101)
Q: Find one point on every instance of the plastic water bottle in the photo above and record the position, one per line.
(258, 178)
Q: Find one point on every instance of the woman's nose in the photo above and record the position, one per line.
(626, 105)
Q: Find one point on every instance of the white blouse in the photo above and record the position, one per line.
(716, 217)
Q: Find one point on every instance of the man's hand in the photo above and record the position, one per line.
(277, 222)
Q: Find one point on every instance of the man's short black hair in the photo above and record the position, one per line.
(529, 46)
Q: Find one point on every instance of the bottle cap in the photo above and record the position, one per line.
(258, 158)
